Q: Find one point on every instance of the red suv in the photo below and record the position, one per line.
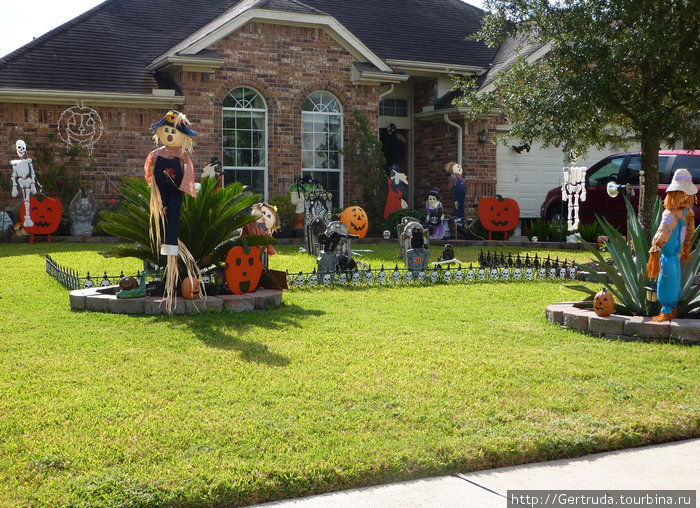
(621, 168)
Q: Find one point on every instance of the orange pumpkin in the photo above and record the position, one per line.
(190, 288)
(603, 303)
(499, 214)
(355, 219)
(243, 269)
(45, 212)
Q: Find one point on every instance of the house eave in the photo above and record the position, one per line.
(187, 63)
(432, 68)
(159, 99)
(376, 78)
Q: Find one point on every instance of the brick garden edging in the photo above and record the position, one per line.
(574, 316)
(104, 299)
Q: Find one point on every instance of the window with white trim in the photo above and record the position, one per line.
(245, 139)
(322, 141)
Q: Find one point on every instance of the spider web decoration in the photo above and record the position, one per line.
(80, 126)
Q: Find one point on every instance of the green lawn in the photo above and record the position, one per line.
(338, 388)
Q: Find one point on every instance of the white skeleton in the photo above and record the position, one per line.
(573, 190)
(24, 180)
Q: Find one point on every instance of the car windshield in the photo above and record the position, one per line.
(605, 173)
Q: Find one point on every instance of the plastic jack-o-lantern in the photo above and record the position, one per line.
(243, 269)
(499, 214)
(355, 219)
(603, 303)
(190, 288)
(46, 214)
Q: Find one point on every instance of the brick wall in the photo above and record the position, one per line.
(284, 63)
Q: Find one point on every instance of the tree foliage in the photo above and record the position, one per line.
(610, 69)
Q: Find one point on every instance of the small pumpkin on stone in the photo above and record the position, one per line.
(190, 288)
(603, 303)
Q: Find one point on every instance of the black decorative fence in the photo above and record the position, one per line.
(72, 280)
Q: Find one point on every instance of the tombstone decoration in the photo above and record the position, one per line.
(45, 214)
(82, 211)
(297, 196)
(169, 172)
(434, 215)
(317, 216)
(417, 255)
(336, 249)
(573, 190)
(404, 232)
(498, 214)
(80, 126)
(24, 180)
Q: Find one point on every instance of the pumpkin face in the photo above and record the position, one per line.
(45, 212)
(603, 303)
(243, 269)
(355, 219)
(190, 288)
(499, 214)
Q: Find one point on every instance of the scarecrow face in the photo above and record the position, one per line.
(268, 218)
(170, 136)
(457, 169)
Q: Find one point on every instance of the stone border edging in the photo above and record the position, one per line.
(574, 316)
(104, 299)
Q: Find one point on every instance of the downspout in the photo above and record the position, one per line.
(459, 136)
(391, 89)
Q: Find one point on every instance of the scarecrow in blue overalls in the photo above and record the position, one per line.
(671, 243)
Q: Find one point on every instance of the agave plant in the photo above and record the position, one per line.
(209, 223)
(627, 276)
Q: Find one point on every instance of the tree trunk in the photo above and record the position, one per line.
(648, 183)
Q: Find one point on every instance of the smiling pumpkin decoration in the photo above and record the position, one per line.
(243, 268)
(603, 303)
(46, 213)
(499, 214)
(190, 288)
(355, 219)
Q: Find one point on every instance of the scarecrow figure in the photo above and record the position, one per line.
(671, 243)
(268, 222)
(458, 188)
(23, 180)
(170, 168)
(434, 215)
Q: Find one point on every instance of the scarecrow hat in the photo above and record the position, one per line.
(682, 181)
(171, 118)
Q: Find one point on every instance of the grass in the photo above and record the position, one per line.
(338, 388)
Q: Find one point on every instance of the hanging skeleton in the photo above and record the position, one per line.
(573, 190)
(24, 180)
(170, 168)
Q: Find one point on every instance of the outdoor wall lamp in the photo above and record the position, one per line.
(482, 136)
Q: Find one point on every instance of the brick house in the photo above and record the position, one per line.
(270, 85)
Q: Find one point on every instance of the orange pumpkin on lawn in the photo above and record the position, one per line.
(499, 214)
(603, 303)
(355, 219)
(243, 269)
(46, 214)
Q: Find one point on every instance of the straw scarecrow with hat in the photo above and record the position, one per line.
(170, 168)
(671, 243)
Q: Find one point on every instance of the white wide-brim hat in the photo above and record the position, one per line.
(682, 181)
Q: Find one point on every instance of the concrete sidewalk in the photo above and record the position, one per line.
(659, 467)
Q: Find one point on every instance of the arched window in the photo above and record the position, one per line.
(245, 139)
(322, 142)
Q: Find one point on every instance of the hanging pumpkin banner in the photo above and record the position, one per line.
(355, 219)
(46, 214)
(243, 269)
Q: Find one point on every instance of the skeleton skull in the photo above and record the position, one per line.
(21, 148)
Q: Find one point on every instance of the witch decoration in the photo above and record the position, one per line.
(671, 243)
(169, 172)
(434, 215)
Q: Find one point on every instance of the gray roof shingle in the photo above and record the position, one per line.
(109, 48)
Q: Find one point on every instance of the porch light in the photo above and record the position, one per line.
(652, 297)
(482, 136)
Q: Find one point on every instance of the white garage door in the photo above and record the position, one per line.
(528, 176)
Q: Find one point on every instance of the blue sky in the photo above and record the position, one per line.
(21, 21)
